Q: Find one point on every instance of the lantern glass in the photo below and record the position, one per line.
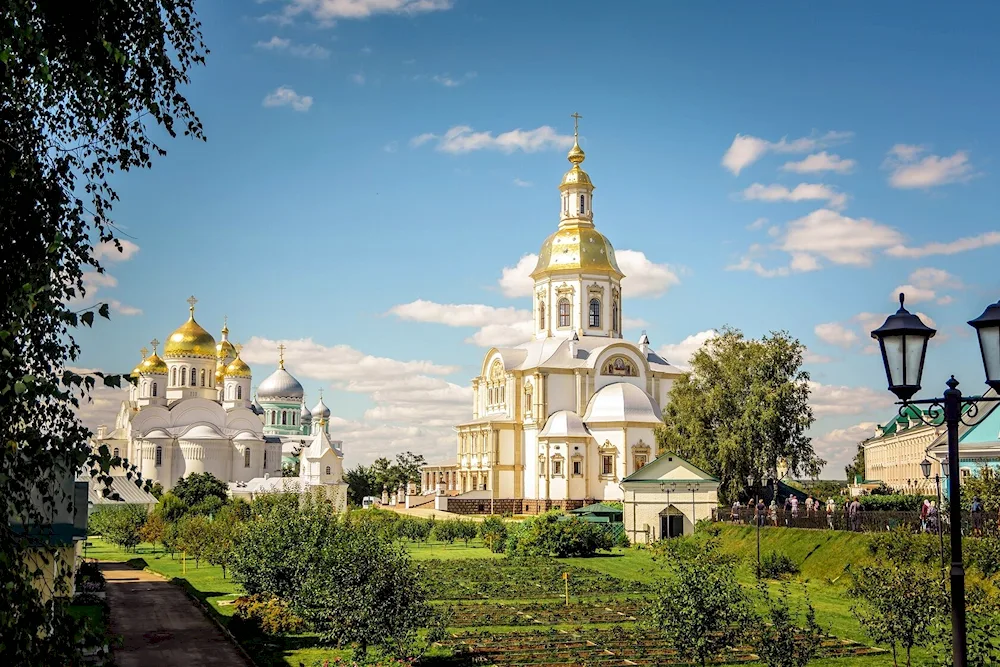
(989, 345)
(944, 467)
(903, 341)
(925, 467)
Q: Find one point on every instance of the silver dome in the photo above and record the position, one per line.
(321, 410)
(280, 386)
(304, 414)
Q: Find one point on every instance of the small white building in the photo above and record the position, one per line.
(667, 498)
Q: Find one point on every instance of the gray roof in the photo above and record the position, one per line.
(130, 493)
(280, 385)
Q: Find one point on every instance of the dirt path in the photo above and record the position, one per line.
(160, 625)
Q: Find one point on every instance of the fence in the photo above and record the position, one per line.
(865, 522)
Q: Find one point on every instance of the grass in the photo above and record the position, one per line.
(821, 556)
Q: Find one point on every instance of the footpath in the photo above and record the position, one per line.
(160, 625)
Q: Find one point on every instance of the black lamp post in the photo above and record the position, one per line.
(903, 342)
(756, 519)
(925, 467)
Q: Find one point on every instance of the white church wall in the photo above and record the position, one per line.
(560, 390)
(507, 446)
(506, 483)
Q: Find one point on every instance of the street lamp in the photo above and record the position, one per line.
(757, 519)
(925, 467)
(903, 342)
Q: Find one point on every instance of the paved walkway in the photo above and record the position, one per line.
(160, 625)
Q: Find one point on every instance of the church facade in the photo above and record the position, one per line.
(190, 411)
(562, 419)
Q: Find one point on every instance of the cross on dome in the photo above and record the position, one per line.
(154, 343)
(191, 301)
(576, 123)
(145, 352)
(281, 355)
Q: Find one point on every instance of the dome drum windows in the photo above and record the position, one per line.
(565, 313)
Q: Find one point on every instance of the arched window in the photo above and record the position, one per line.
(328, 470)
(194, 377)
(541, 314)
(595, 313)
(115, 452)
(154, 389)
(265, 459)
(564, 318)
(284, 418)
(159, 455)
(583, 203)
(293, 418)
(239, 392)
(173, 376)
(184, 376)
(246, 457)
(272, 417)
(614, 317)
(202, 377)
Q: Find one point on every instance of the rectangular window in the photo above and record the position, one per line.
(564, 313)
(607, 465)
(159, 456)
(557, 468)
(577, 467)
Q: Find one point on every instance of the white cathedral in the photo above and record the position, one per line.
(561, 420)
(191, 412)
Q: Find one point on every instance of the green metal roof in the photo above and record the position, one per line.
(598, 508)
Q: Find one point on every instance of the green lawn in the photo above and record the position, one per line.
(821, 555)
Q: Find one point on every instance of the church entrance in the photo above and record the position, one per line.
(671, 525)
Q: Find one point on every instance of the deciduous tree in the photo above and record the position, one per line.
(742, 410)
(81, 88)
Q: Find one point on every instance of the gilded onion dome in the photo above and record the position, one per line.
(576, 176)
(190, 340)
(153, 365)
(138, 368)
(225, 349)
(238, 369)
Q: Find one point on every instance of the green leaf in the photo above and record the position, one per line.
(88, 318)
(20, 388)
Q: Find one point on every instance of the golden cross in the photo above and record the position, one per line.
(191, 301)
(576, 123)
(154, 343)
(239, 348)
(144, 352)
(281, 355)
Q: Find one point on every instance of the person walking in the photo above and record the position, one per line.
(734, 514)
(774, 512)
(795, 510)
(831, 507)
(809, 506)
(923, 515)
(932, 517)
(855, 515)
(761, 512)
(788, 509)
(976, 509)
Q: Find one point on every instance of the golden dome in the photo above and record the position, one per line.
(153, 365)
(220, 373)
(224, 349)
(238, 369)
(576, 176)
(190, 340)
(577, 248)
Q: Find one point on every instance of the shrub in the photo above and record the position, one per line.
(892, 503)
(493, 531)
(902, 546)
(416, 530)
(170, 507)
(446, 531)
(984, 553)
(776, 638)
(88, 578)
(264, 613)
(208, 506)
(194, 536)
(774, 565)
(196, 487)
(555, 534)
(154, 529)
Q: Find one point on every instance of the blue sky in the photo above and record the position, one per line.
(785, 166)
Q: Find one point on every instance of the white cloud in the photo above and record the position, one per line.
(108, 251)
(285, 96)
(908, 170)
(839, 445)
(391, 147)
(104, 402)
(643, 278)
(463, 139)
(516, 280)
(122, 309)
(633, 323)
(449, 81)
(801, 192)
(358, 78)
(522, 184)
(327, 12)
(822, 234)
(925, 283)
(746, 149)
(411, 408)
(502, 335)
(757, 224)
(827, 399)
(679, 354)
(818, 162)
(274, 44)
(813, 358)
(834, 333)
(964, 244)
(458, 315)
